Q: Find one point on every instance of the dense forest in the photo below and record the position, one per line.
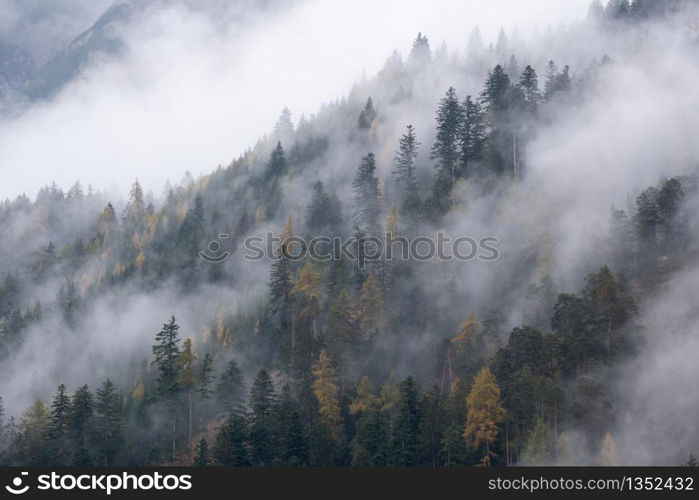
(161, 357)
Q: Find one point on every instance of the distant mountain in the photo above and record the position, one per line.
(16, 65)
(100, 38)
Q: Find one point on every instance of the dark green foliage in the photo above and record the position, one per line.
(166, 351)
(405, 437)
(367, 196)
(229, 389)
(108, 423)
(230, 448)
(201, 454)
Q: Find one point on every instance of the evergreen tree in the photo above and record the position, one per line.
(368, 115)
(404, 171)
(367, 196)
(230, 388)
(205, 377)
(473, 135)
(230, 448)
(109, 430)
(166, 353)
(277, 165)
(420, 51)
(446, 146)
(201, 454)
(82, 413)
(529, 84)
(262, 403)
(60, 425)
(405, 436)
(496, 91)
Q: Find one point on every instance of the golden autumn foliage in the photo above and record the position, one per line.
(326, 391)
(371, 306)
(366, 400)
(607, 455)
(484, 413)
(468, 331)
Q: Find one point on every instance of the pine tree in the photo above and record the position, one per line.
(446, 147)
(230, 448)
(368, 115)
(529, 84)
(230, 388)
(262, 403)
(60, 425)
(404, 443)
(277, 165)
(82, 413)
(472, 135)
(404, 171)
(108, 423)
(420, 51)
(484, 414)
(166, 354)
(280, 286)
(205, 377)
(201, 454)
(496, 91)
(367, 196)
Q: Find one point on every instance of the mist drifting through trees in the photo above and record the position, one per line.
(574, 147)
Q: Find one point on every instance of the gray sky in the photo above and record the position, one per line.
(189, 96)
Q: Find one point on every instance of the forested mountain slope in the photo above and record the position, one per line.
(562, 341)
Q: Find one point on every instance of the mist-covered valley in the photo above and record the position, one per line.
(573, 148)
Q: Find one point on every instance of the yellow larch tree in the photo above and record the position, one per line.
(484, 413)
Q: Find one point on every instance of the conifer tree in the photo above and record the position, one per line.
(496, 91)
(367, 196)
(230, 448)
(81, 417)
(187, 380)
(371, 307)
(60, 425)
(472, 135)
(327, 393)
(262, 432)
(201, 454)
(108, 423)
(485, 412)
(404, 171)
(166, 353)
(230, 388)
(277, 165)
(368, 115)
(34, 428)
(404, 443)
(446, 147)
